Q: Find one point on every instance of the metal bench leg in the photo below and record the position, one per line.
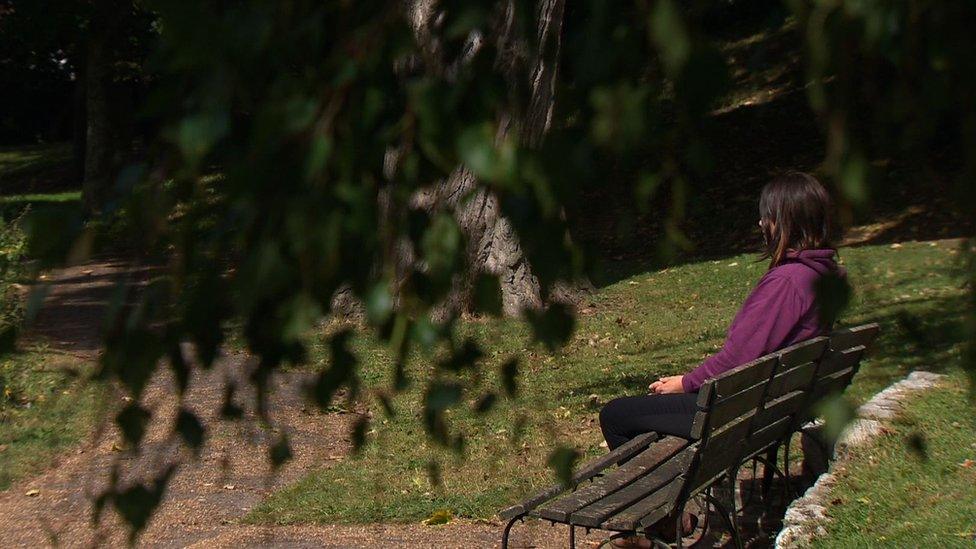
(679, 530)
(508, 529)
(786, 468)
(572, 537)
(727, 513)
(769, 469)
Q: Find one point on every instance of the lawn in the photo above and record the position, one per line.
(893, 495)
(632, 331)
(48, 403)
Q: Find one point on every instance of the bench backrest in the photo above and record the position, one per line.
(840, 363)
(745, 410)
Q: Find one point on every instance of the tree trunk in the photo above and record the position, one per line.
(98, 134)
(79, 125)
(493, 245)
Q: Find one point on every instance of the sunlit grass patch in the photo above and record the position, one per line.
(894, 495)
(48, 403)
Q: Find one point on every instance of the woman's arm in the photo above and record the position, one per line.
(761, 326)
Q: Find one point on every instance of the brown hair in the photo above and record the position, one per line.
(794, 213)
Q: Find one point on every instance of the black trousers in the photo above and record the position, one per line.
(624, 418)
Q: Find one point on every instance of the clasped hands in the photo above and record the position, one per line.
(667, 385)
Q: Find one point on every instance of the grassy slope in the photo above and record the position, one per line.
(46, 403)
(46, 406)
(637, 329)
(896, 497)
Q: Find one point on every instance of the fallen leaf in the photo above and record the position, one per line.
(734, 264)
(440, 516)
(228, 487)
(967, 463)
(32, 492)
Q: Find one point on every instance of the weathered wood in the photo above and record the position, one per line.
(743, 377)
(586, 472)
(780, 407)
(732, 433)
(663, 497)
(832, 384)
(852, 337)
(768, 436)
(728, 409)
(641, 464)
(835, 361)
(647, 487)
(809, 351)
(799, 377)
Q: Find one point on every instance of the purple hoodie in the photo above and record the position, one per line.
(779, 312)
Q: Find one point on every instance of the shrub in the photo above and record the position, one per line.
(12, 246)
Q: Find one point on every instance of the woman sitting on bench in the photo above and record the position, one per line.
(794, 219)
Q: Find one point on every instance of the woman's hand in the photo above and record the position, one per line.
(667, 385)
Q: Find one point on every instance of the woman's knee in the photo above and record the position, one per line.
(610, 414)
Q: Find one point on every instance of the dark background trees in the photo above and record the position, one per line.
(78, 71)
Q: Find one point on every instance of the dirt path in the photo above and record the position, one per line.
(210, 493)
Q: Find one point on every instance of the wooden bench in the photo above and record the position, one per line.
(744, 414)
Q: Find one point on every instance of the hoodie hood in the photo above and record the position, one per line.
(822, 261)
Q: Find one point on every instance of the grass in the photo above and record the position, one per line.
(47, 404)
(38, 177)
(25, 161)
(891, 495)
(641, 327)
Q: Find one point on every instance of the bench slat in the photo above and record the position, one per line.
(644, 462)
(852, 337)
(808, 351)
(796, 378)
(661, 500)
(587, 471)
(776, 409)
(742, 377)
(647, 487)
(762, 439)
(728, 409)
(835, 361)
(833, 384)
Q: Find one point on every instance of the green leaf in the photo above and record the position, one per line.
(441, 248)
(833, 293)
(561, 461)
(341, 370)
(485, 403)
(359, 430)
(853, 179)
(190, 429)
(136, 504)
(132, 421)
(440, 516)
(229, 409)
(488, 294)
(379, 303)
(509, 374)
(280, 452)
(553, 326)
(463, 358)
(670, 35)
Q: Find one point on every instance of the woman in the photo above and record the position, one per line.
(794, 219)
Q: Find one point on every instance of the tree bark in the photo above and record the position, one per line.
(493, 245)
(98, 133)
